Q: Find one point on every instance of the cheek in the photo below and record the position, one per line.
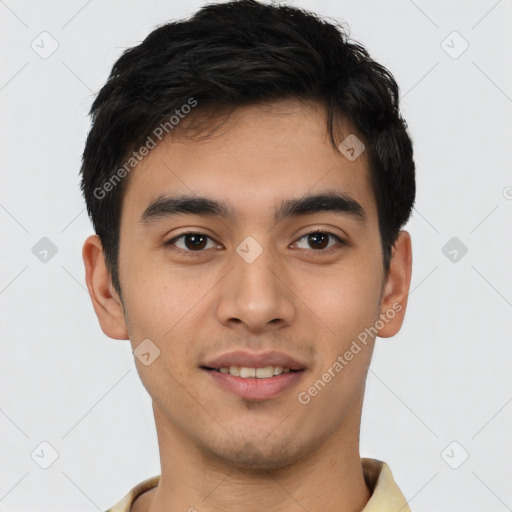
(345, 303)
(158, 296)
(167, 307)
(343, 300)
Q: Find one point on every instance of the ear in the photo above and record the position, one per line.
(105, 300)
(396, 288)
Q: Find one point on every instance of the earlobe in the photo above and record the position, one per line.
(105, 300)
(396, 289)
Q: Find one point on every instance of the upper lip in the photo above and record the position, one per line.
(254, 360)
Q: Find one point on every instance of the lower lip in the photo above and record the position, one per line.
(253, 388)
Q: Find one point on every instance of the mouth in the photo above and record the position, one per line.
(254, 376)
(245, 372)
(253, 388)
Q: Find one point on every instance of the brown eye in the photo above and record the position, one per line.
(319, 241)
(190, 242)
(194, 242)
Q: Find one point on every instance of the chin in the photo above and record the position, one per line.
(259, 457)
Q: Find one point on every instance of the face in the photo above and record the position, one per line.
(253, 277)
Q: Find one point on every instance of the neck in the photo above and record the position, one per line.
(329, 478)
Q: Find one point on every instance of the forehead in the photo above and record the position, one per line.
(259, 156)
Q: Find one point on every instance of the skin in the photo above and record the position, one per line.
(219, 452)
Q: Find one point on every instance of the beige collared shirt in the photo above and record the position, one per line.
(386, 496)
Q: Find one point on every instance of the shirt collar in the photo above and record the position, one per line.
(386, 495)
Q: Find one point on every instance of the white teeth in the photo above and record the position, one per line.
(247, 372)
(264, 373)
(259, 373)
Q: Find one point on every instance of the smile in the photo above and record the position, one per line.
(245, 372)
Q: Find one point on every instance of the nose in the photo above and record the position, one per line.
(256, 295)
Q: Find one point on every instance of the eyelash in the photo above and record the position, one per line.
(170, 243)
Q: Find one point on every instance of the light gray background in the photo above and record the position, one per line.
(445, 377)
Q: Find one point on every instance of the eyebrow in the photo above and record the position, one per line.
(170, 206)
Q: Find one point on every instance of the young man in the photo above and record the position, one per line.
(247, 174)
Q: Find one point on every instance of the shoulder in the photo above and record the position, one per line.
(125, 504)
